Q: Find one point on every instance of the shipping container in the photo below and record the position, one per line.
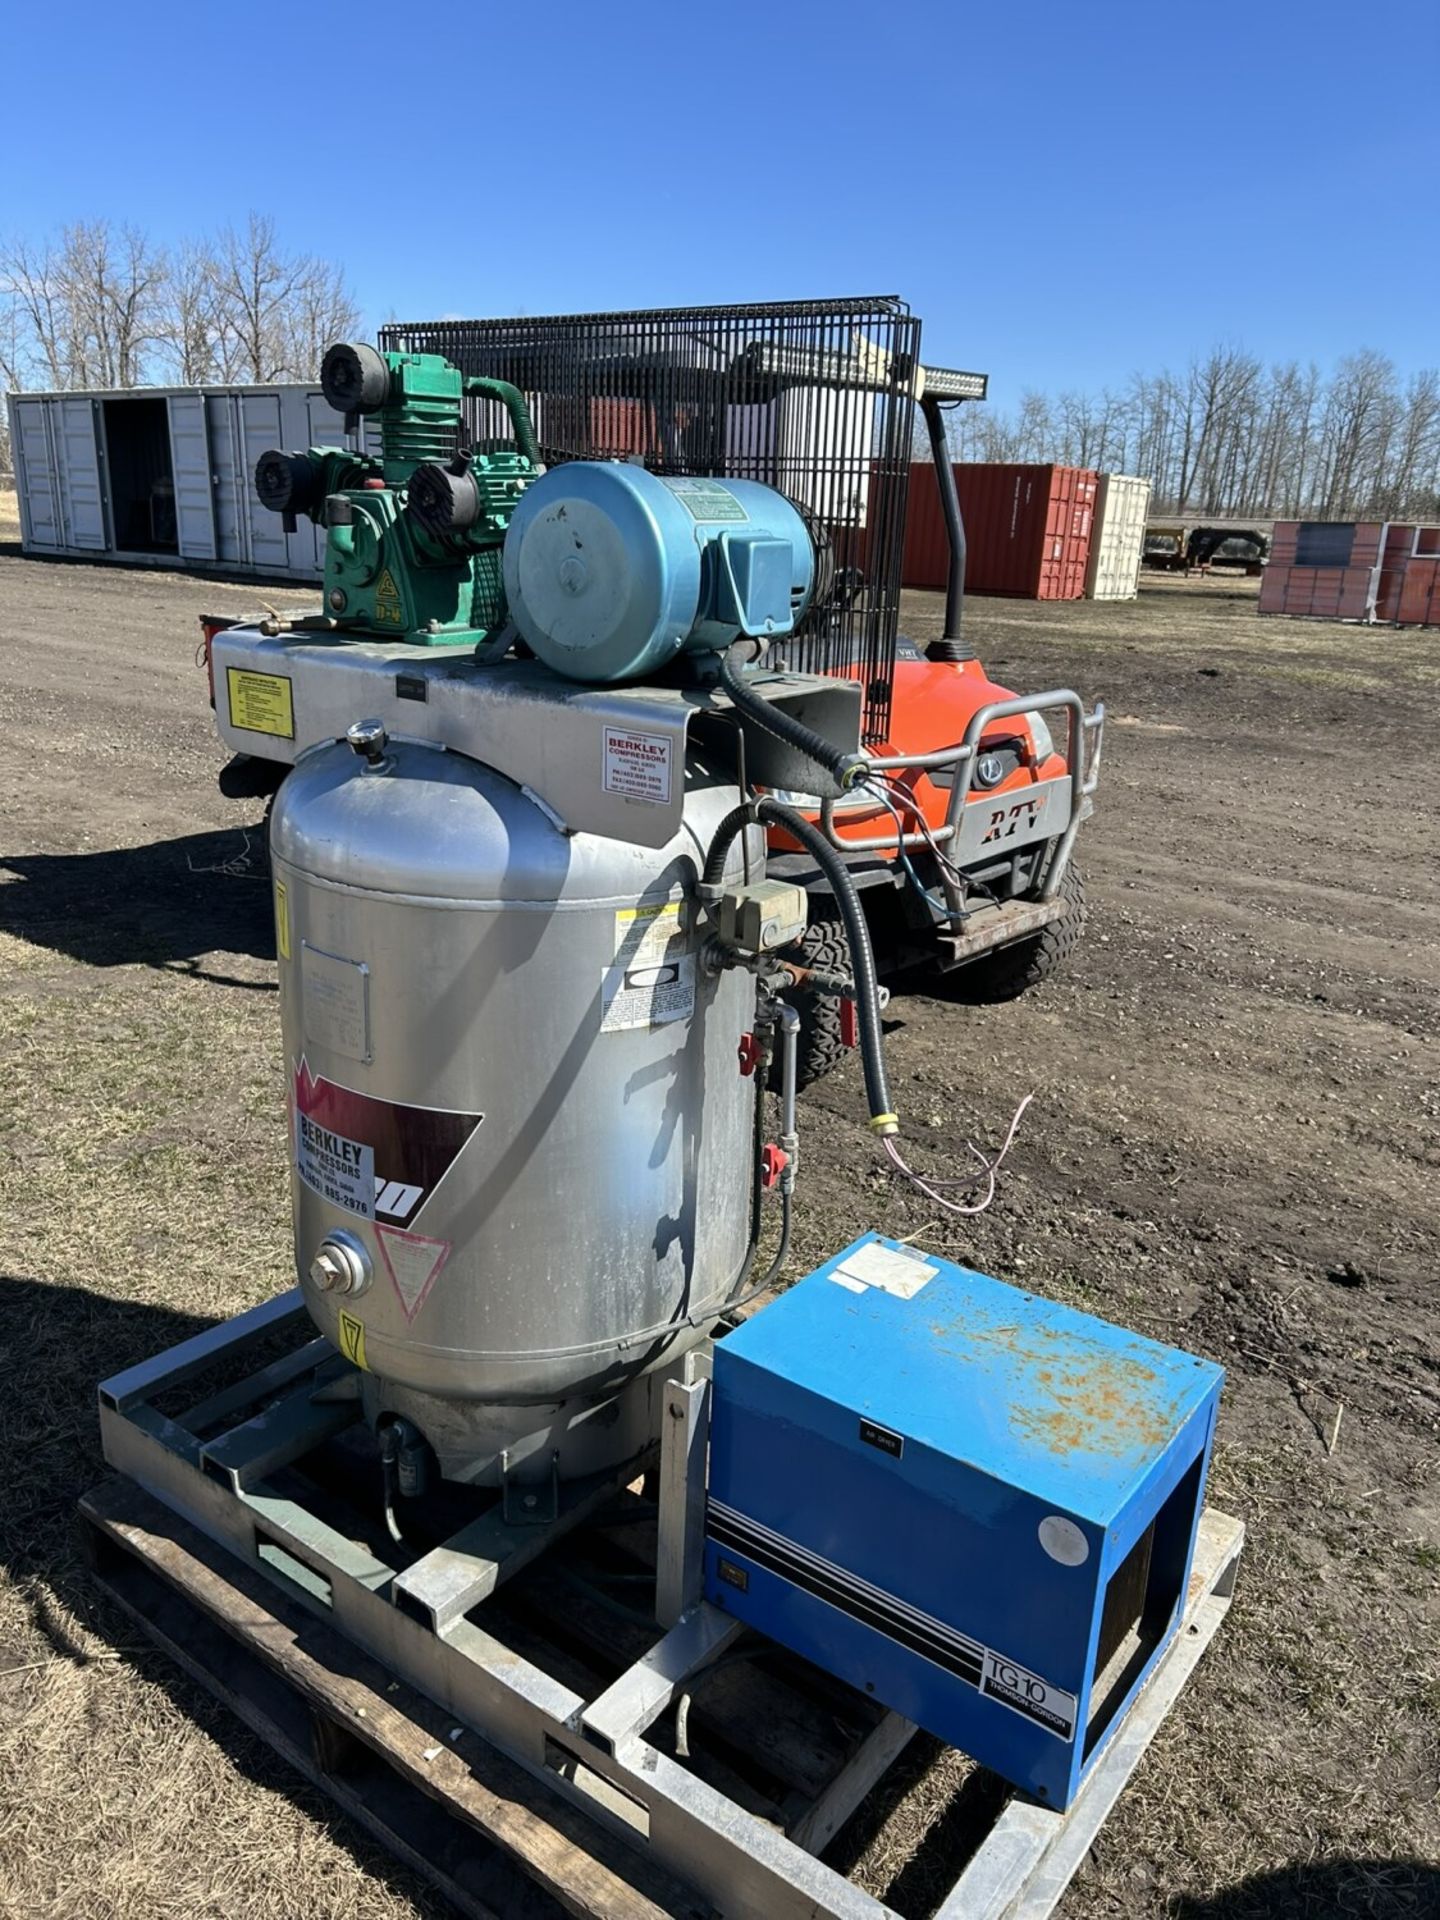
(1371, 570)
(162, 476)
(1122, 505)
(1027, 529)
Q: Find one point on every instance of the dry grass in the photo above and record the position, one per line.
(140, 1178)
(9, 513)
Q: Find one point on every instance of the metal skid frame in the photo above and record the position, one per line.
(592, 1752)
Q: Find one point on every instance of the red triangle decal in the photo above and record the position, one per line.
(414, 1264)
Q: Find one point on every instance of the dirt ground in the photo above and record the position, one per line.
(1233, 1145)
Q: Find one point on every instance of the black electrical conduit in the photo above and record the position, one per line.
(852, 914)
(844, 768)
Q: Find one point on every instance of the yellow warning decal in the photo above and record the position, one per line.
(352, 1339)
(649, 932)
(282, 920)
(261, 702)
(387, 600)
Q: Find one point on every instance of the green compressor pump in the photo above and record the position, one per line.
(413, 538)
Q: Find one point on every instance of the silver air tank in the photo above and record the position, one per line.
(521, 1147)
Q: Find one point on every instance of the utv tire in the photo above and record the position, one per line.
(1013, 970)
(820, 1046)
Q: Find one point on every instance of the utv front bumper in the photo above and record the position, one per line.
(980, 827)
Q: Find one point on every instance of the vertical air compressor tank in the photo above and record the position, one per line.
(521, 1147)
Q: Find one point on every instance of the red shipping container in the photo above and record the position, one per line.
(1027, 529)
(1393, 575)
(1420, 595)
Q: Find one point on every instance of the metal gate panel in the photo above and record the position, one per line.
(194, 485)
(76, 436)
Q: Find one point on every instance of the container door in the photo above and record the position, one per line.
(259, 431)
(232, 515)
(1127, 513)
(35, 474)
(75, 429)
(194, 480)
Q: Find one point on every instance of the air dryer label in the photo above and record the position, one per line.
(373, 1158)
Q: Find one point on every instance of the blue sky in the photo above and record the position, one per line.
(1066, 194)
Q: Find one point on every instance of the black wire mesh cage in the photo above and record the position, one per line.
(812, 397)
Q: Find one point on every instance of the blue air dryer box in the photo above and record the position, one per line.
(976, 1505)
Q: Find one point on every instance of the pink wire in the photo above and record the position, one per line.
(931, 1188)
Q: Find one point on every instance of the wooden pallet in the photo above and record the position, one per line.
(496, 1842)
(778, 1738)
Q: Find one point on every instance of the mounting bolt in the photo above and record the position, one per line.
(341, 1264)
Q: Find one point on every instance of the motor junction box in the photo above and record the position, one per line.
(975, 1504)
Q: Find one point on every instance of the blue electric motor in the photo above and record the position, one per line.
(611, 571)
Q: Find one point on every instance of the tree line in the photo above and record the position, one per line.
(1228, 437)
(1233, 438)
(96, 305)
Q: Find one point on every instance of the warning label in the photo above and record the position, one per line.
(352, 1339)
(261, 702)
(653, 932)
(413, 1263)
(653, 978)
(282, 920)
(647, 995)
(341, 1171)
(388, 610)
(638, 765)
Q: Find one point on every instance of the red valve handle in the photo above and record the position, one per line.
(773, 1162)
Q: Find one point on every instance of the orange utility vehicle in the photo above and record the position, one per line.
(963, 847)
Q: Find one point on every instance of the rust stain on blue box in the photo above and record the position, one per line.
(976, 1504)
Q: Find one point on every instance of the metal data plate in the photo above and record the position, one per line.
(606, 760)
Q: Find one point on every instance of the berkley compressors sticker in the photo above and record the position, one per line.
(380, 1161)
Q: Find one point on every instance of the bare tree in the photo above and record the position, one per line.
(275, 311)
(1231, 437)
(97, 306)
(84, 310)
(189, 330)
(32, 286)
(321, 312)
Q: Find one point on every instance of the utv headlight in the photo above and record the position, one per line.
(1042, 741)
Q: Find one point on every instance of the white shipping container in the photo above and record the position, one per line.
(163, 476)
(1117, 540)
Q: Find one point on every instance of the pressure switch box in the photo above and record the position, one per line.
(974, 1504)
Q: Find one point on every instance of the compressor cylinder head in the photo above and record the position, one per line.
(355, 378)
